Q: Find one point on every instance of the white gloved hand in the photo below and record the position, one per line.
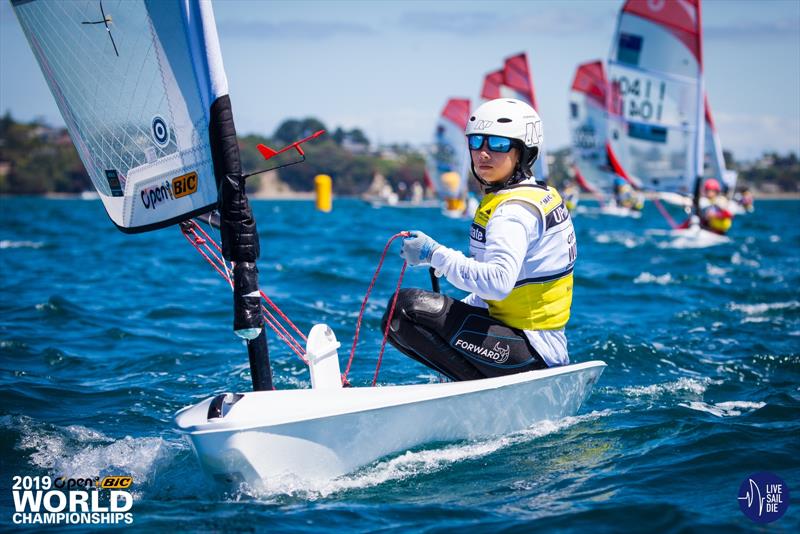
(418, 248)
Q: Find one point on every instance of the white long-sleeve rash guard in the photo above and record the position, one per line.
(513, 226)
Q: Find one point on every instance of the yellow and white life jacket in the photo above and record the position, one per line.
(542, 295)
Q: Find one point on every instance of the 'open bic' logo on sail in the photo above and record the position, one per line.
(184, 185)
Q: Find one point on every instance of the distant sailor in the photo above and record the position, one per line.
(625, 196)
(714, 213)
(571, 195)
(745, 199)
(519, 273)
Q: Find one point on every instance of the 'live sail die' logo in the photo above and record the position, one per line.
(763, 497)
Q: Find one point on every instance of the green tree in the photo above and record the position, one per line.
(292, 130)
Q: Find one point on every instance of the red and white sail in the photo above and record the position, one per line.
(514, 80)
(449, 155)
(656, 112)
(588, 121)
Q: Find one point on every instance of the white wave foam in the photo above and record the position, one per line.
(412, 463)
(756, 309)
(691, 385)
(648, 278)
(619, 238)
(713, 270)
(738, 259)
(688, 239)
(5, 243)
(725, 409)
(80, 452)
(755, 320)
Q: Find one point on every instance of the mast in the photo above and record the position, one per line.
(240, 243)
(238, 231)
(699, 149)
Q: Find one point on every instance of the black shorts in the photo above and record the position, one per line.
(460, 341)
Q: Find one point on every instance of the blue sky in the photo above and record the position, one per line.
(388, 67)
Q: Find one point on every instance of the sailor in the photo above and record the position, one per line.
(625, 196)
(571, 195)
(519, 273)
(745, 199)
(714, 213)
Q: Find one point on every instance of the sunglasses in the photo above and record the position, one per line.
(496, 143)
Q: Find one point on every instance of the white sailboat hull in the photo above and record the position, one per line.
(620, 211)
(323, 433)
(696, 237)
(611, 210)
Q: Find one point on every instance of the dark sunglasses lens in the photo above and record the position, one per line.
(499, 144)
(475, 142)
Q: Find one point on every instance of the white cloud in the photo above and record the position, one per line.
(749, 136)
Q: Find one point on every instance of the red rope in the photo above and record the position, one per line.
(197, 242)
(208, 239)
(282, 315)
(288, 339)
(202, 243)
(364, 303)
(212, 253)
(388, 324)
(665, 213)
(283, 334)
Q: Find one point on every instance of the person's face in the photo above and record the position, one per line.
(494, 166)
(711, 193)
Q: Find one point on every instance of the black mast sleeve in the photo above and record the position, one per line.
(237, 225)
(239, 240)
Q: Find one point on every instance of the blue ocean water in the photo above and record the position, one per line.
(104, 336)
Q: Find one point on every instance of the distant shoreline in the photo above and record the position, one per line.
(309, 196)
(786, 195)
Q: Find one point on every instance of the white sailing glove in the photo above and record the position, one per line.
(418, 248)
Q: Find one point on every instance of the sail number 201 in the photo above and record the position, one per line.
(640, 99)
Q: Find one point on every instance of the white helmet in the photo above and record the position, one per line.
(512, 118)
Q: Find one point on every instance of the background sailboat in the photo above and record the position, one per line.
(656, 121)
(588, 120)
(661, 132)
(447, 162)
(591, 153)
(514, 80)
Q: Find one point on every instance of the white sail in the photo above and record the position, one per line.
(715, 160)
(514, 80)
(135, 82)
(656, 87)
(447, 163)
(588, 122)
